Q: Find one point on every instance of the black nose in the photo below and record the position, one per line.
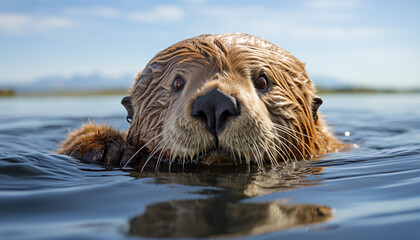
(215, 109)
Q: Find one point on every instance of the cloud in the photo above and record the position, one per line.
(16, 23)
(13, 23)
(160, 14)
(22, 23)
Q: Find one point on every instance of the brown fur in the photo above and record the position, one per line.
(277, 125)
(97, 143)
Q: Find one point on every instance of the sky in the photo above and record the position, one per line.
(368, 43)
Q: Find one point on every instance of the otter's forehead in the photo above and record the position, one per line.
(209, 46)
(222, 51)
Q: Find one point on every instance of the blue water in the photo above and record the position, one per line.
(370, 192)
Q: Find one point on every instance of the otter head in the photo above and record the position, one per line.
(226, 99)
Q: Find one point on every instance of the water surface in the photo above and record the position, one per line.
(370, 192)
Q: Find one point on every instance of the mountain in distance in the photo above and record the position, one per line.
(78, 82)
(330, 83)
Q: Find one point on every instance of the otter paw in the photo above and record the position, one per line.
(103, 149)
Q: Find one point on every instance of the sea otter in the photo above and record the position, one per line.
(218, 100)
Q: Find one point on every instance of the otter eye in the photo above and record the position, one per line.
(261, 84)
(178, 84)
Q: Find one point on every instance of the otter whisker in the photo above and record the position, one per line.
(238, 150)
(162, 151)
(300, 141)
(233, 155)
(272, 146)
(322, 140)
(257, 157)
(271, 156)
(151, 140)
(152, 154)
(297, 132)
(169, 147)
(286, 155)
(261, 153)
(290, 151)
(283, 153)
(173, 156)
(159, 159)
(138, 151)
(286, 145)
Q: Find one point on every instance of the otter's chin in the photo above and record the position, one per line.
(218, 157)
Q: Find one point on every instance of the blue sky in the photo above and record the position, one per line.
(367, 43)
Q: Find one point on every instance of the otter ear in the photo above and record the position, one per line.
(126, 101)
(317, 101)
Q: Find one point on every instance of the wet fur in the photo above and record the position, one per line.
(274, 126)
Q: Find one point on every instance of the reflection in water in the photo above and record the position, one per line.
(223, 212)
(217, 217)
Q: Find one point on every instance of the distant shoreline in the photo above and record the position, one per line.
(365, 91)
(108, 92)
(69, 93)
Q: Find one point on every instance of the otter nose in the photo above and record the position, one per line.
(215, 109)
